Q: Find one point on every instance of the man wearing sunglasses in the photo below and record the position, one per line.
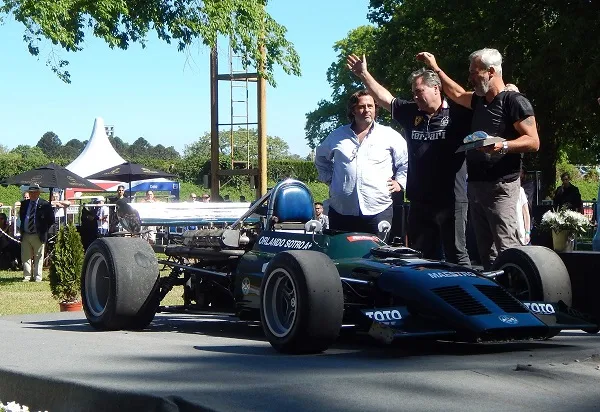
(436, 185)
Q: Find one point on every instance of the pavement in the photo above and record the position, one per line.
(57, 362)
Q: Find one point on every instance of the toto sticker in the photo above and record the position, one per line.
(540, 308)
(387, 316)
(511, 320)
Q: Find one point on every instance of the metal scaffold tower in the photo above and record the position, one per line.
(239, 121)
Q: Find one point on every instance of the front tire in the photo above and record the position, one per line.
(534, 273)
(302, 302)
(119, 284)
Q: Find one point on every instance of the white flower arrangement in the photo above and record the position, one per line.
(13, 407)
(565, 220)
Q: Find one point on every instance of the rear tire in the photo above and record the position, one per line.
(302, 302)
(534, 273)
(119, 285)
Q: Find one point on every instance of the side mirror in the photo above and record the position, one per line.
(313, 226)
(383, 227)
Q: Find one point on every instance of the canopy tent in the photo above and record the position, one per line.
(99, 154)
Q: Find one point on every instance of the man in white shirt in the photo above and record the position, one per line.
(363, 163)
(103, 213)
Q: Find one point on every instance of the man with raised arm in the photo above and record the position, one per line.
(436, 185)
(493, 171)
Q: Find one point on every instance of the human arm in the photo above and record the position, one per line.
(60, 203)
(527, 223)
(528, 140)
(453, 90)
(324, 161)
(400, 161)
(358, 66)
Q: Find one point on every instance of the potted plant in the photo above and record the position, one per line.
(65, 268)
(565, 226)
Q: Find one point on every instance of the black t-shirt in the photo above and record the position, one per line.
(497, 119)
(432, 142)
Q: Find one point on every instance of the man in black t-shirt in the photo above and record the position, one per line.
(494, 185)
(434, 129)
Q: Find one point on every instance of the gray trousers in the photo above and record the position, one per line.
(460, 233)
(493, 208)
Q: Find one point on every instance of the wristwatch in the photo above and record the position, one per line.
(504, 149)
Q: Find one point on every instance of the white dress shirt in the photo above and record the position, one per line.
(357, 173)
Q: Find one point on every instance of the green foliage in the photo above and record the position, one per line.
(320, 191)
(245, 144)
(50, 144)
(588, 190)
(66, 265)
(565, 167)
(120, 23)
(9, 195)
(298, 169)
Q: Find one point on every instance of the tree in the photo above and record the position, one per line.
(140, 148)
(245, 144)
(164, 153)
(50, 144)
(71, 149)
(537, 57)
(120, 23)
(119, 145)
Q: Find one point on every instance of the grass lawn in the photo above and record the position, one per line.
(18, 297)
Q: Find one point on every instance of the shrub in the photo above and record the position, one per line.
(66, 265)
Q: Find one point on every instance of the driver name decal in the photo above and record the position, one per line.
(284, 243)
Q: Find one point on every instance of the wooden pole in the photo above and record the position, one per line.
(214, 124)
(262, 130)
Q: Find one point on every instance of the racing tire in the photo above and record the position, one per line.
(301, 302)
(119, 284)
(534, 273)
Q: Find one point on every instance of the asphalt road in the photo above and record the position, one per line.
(186, 363)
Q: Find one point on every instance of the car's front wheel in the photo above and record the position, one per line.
(302, 302)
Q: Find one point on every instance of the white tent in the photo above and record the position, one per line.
(97, 155)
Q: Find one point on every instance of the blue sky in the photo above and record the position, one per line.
(159, 93)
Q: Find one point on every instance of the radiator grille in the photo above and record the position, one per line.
(502, 298)
(458, 298)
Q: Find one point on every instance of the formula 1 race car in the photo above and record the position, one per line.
(272, 261)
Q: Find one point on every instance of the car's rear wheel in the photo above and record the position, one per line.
(119, 284)
(534, 273)
(302, 302)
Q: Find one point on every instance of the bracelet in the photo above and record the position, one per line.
(528, 232)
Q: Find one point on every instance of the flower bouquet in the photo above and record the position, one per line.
(565, 225)
(13, 407)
